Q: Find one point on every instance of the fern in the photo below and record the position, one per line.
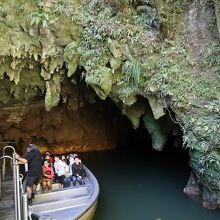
(38, 18)
(132, 69)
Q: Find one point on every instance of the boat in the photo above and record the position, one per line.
(70, 203)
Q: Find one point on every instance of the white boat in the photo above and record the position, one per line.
(78, 202)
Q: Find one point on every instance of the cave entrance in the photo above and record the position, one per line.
(140, 139)
(83, 122)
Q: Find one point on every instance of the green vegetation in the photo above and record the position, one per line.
(38, 18)
(211, 56)
(132, 70)
(207, 89)
(172, 78)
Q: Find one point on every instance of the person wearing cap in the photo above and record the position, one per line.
(78, 171)
(33, 158)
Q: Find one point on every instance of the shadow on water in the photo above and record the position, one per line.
(139, 183)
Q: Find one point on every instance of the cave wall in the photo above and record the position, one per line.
(91, 127)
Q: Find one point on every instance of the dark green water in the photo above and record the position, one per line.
(143, 184)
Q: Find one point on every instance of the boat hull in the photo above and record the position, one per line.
(90, 213)
(71, 203)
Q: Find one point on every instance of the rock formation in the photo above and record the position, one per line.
(166, 52)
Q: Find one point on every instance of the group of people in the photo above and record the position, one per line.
(62, 169)
(48, 169)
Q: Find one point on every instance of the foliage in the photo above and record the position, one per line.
(171, 76)
(132, 70)
(202, 138)
(206, 88)
(144, 19)
(94, 48)
(43, 15)
(39, 18)
(204, 128)
(60, 7)
(211, 56)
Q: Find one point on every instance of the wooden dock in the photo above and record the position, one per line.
(7, 199)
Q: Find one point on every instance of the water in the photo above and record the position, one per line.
(143, 184)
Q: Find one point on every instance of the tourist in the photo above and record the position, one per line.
(63, 158)
(47, 156)
(67, 157)
(72, 161)
(33, 158)
(78, 171)
(61, 169)
(68, 178)
(47, 177)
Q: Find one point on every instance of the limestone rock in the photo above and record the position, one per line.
(115, 63)
(154, 128)
(101, 81)
(156, 106)
(135, 112)
(158, 129)
(52, 96)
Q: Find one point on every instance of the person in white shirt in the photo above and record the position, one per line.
(72, 161)
(61, 168)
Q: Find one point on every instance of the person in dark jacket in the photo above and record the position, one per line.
(78, 171)
(34, 161)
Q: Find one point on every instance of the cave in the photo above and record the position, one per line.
(100, 75)
(83, 122)
(87, 123)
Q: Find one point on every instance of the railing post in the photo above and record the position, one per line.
(3, 166)
(16, 184)
(24, 199)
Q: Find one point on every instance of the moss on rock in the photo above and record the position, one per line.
(101, 81)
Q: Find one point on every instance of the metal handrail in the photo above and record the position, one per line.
(3, 157)
(6, 156)
(3, 164)
(16, 182)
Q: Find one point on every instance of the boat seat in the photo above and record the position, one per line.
(68, 203)
(55, 186)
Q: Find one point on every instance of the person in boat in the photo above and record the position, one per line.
(47, 156)
(47, 177)
(68, 174)
(71, 160)
(78, 171)
(61, 169)
(69, 178)
(33, 158)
